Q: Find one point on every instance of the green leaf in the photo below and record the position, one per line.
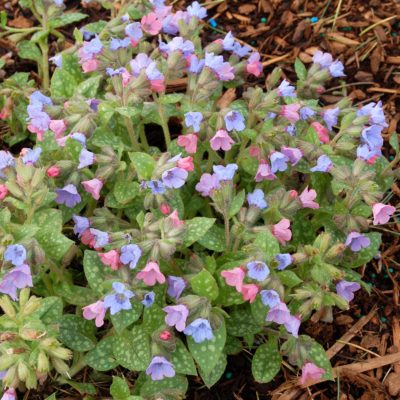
(50, 310)
(196, 228)
(119, 389)
(208, 352)
(124, 318)
(267, 243)
(214, 239)
(75, 295)
(178, 384)
(132, 349)
(89, 86)
(301, 70)
(77, 333)
(39, 35)
(394, 141)
(29, 51)
(153, 318)
(214, 376)
(66, 19)
(205, 285)
(182, 360)
(95, 27)
(241, 321)
(237, 203)
(266, 361)
(317, 354)
(171, 98)
(65, 80)
(82, 388)
(367, 254)
(125, 191)
(102, 358)
(96, 272)
(289, 278)
(143, 163)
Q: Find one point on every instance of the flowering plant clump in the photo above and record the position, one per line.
(163, 230)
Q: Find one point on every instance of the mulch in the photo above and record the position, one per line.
(365, 36)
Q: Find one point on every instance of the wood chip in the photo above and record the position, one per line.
(342, 39)
(247, 8)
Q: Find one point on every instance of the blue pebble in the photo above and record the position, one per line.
(314, 19)
(213, 23)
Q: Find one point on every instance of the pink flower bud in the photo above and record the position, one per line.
(189, 142)
(175, 218)
(90, 65)
(186, 163)
(93, 187)
(3, 191)
(151, 274)
(58, 126)
(282, 231)
(310, 373)
(382, 213)
(254, 151)
(53, 171)
(165, 335)
(249, 292)
(95, 311)
(221, 141)
(322, 132)
(165, 208)
(111, 259)
(290, 112)
(234, 277)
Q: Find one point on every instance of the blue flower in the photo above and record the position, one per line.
(284, 260)
(174, 177)
(81, 225)
(270, 298)
(130, 254)
(176, 286)
(336, 69)
(257, 270)
(193, 119)
(157, 187)
(32, 156)
(116, 44)
(148, 299)
(100, 238)
(38, 97)
(234, 120)
(257, 199)
(16, 254)
(225, 173)
(278, 161)
(134, 31)
(119, 300)
(160, 368)
(306, 112)
(324, 164)
(68, 195)
(285, 89)
(200, 330)
(196, 10)
(331, 116)
(86, 158)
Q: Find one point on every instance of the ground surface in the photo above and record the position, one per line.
(365, 35)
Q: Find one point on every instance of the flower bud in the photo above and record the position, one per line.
(23, 371)
(60, 352)
(335, 251)
(6, 360)
(8, 308)
(60, 366)
(43, 362)
(24, 296)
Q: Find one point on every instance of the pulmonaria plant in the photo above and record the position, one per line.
(174, 250)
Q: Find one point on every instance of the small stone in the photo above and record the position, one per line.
(263, 20)
(228, 375)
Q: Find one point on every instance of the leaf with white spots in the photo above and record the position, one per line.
(208, 352)
(132, 349)
(266, 361)
(205, 285)
(176, 387)
(237, 203)
(77, 333)
(211, 378)
(143, 163)
(317, 354)
(153, 318)
(182, 360)
(214, 239)
(196, 229)
(125, 191)
(124, 318)
(367, 254)
(101, 358)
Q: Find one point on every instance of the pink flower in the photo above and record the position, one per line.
(189, 142)
(254, 66)
(58, 126)
(151, 274)
(382, 213)
(282, 231)
(175, 218)
(186, 163)
(249, 292)
(307, 198)
(93, 187)
(157, 85)
(95, 311)
(293, 194)
(221, 140)
(234, 277)
(165, 208)
(39, 133)
(53, 171)
(90, 65)
(88, 238)
(111, 259)
(310, 373)
(290, 112)
(151, 24)
(9, 394)
(254, 151)
(126, 78)
(3, 191)
(264, 172)
(322, 132)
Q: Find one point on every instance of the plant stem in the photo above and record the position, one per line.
(143, 139)
(132, 135)
(227, 232)
(164, 123)
(45, 65)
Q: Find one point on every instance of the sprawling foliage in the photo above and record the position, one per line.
(162, 230)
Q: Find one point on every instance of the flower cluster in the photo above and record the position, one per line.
(175, 223)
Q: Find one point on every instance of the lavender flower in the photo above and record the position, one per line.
(195, 65)
(306, 112)
(176, 286)
(285, 89)
(186, 47)
(157, 187)
(346, 289)
(130, 254)
(196, 10)
(193, 119)
(119, 300)
(68, 195)
(223, 70)
(160, 368)
(116, 44)
(225, 173)
(324, 164)
(336, 69)
(323, 59)
(6, 160)
(176, 316)
(174, 177)
(16, 254)
(38, 97)
(100, 238)
(256, 199)
(18, 278)
(375, 113)
(278, 161)
(134, 31)
(234, 120)
(200, 330)
(208, 183)
(81, 224)
(86, 158)
(241, 51)
(330, 116)
(257, 270)
(148, 299)
(284, 260)
(372, 136)
(228, 42)
(357, 241)
(270, 298)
